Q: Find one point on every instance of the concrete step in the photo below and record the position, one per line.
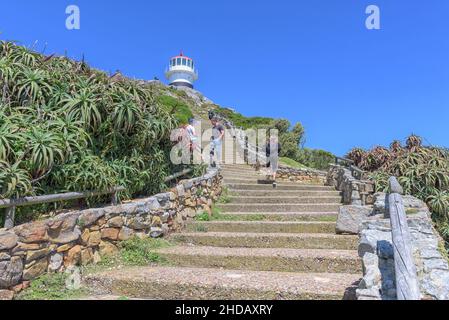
(281, 216)
(263, 259)
(283, 193)
(281, 187)
(171, 283)
(263, 180)
(269, 240)
(263, 226)
(285, 200)
(281, 207)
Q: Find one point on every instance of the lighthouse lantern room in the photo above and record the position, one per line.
(181, 71)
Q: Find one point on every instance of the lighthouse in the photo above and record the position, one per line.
(181, 71)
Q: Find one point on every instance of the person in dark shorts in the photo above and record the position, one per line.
(273, 150)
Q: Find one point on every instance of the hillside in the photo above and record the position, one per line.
(65, 126)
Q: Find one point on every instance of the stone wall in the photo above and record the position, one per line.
(82, 237)
(376, 250)
(301, 175)
(354, 191)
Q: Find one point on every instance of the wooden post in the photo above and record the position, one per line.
(407, 284)
(114, 199)
(9, 217)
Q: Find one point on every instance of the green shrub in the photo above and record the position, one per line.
(141, 252)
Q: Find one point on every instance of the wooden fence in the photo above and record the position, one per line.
(407, 284)
(11, 204)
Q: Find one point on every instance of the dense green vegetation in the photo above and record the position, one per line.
(67, 127)
(423, 171)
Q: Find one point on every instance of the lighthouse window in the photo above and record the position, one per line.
(178, 61)
(189, 63)
(184, 62)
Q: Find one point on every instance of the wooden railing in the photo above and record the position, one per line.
(11, 204)
(407, 284)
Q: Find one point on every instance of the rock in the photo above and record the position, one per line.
(87, 256)
(138, 223)
(188, 212)
(73, 256)
(85, 237)
(107, 249)
(156, 221)
(436, 284)
(35, 270)
(380, 200)
(165, 217)
(36, 255)
(154, 203)
(94, 239)
(351, 217)
(96, 257)
(73, 281)
(372, 276)
(369, 240)
(4, 256)
(156, 233)
(89, 217)
(116, 222)
(110, 234)
(8, 240)
(65, 247)
(63, 229)
(56, 262)
(411, 202)
(369, 294)
(6, 295)
(34, 232)
(126, 234)
(10, 272)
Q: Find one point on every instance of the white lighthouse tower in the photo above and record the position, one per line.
(182, 71)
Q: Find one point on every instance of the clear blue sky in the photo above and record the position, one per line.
(311, 61)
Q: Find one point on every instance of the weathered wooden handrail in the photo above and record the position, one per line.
(12, 204)
(178, 175)
(407, 285)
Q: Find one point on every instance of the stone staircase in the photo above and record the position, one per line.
(267, 244)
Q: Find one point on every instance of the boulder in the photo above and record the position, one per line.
(36, 255)
(126, 234)
(34, 232)
(89, 217)
(56, 262)
(351, 217)
(63, 229)
(110, 234)
(10, 272)
(107, 249)
(4, 256)
(35, 270)
(138, 223)
(369, 240)
(87, 256)
(73, 256)
(94, 239)
(85, 237)
(116, 222)
(8, 240)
